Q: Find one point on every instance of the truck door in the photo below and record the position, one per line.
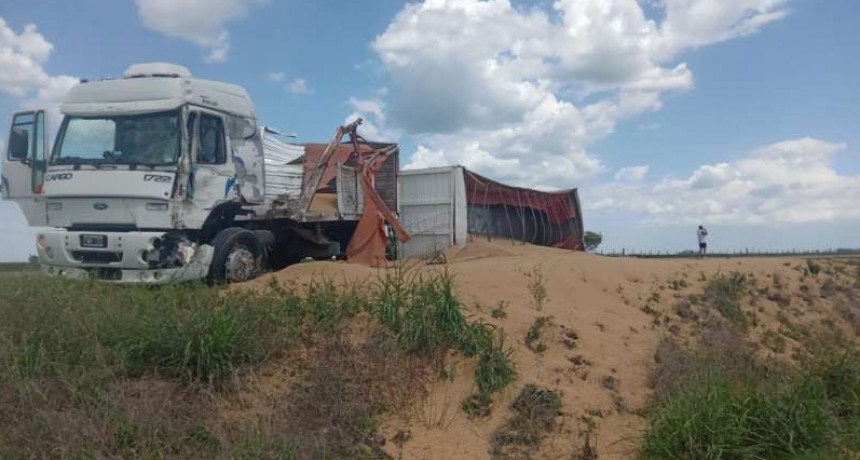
(214, 179)
(24, 165)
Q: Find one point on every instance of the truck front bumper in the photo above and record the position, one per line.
(121, 257)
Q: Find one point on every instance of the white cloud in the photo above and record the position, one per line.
(375, 124)
(202, 22)
(276, 76)
(299, 86)
(21, 72)
(632, 173)
(693, 23)
(500, 88)
(793, 181)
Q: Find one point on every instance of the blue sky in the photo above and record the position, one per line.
(742, 115)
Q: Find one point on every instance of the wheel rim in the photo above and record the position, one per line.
(241, 265)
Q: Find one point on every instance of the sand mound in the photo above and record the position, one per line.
(302, 274)
(480, 249)
(605, 318)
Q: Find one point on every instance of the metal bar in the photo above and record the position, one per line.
(487, 207)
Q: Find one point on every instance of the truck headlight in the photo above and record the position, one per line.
(55, 206)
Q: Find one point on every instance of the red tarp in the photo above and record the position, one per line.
(559, 206)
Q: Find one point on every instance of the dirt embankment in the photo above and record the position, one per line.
(586, 326)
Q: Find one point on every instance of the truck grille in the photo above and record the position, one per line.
(97, 257)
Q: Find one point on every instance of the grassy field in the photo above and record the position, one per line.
(93, 370)
(723, 400)
(18, 267)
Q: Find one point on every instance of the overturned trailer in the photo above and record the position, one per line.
(442, 207)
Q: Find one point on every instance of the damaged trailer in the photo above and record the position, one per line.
(446, 206)
(327, 223)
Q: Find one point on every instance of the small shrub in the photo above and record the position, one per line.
(537, 286)
(495, 368)
(812, 268)
(533, 338)
(476, 338)
(724, 293)
(500, 311)
(477, 405)
(609, 382)
(678, 284)
(829, 288)
(535, 410)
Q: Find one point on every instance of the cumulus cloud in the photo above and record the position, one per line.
(299, 86)
(632, 173)
(202, 22)
(792, 181)
(503, 89)
(276, 76)
(372, 111)
(22, 74)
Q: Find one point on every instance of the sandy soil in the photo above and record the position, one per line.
(600, 328)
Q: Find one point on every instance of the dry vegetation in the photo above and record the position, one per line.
(575, 357)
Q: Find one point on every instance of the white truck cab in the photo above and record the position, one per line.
(158, 177)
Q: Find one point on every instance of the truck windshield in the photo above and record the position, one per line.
(151, 139)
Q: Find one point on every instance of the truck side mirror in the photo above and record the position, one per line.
(19, 143)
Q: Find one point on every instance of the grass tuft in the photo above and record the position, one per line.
(724, 292)
(495, 368)
(534, 336)
(534, 413)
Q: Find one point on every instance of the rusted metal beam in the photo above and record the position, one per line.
(312, 185)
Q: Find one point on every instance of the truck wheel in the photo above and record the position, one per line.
(236, 257)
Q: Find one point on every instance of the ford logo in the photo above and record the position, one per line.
(100, 206)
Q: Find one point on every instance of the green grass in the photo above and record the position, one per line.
(536, 282)
(96, 370)
(725, 400)
(423, 316)
(810, 413)
(18, 267)
(420, 311)
(495, 368)
(187, 331)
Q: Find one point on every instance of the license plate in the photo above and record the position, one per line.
(94, 241)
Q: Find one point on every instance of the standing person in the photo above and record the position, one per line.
(702, 233)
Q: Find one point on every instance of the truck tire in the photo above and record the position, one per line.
(236, 257)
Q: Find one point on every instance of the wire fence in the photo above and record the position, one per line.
(657, 254)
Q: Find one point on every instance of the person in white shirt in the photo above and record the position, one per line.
(702, 233)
